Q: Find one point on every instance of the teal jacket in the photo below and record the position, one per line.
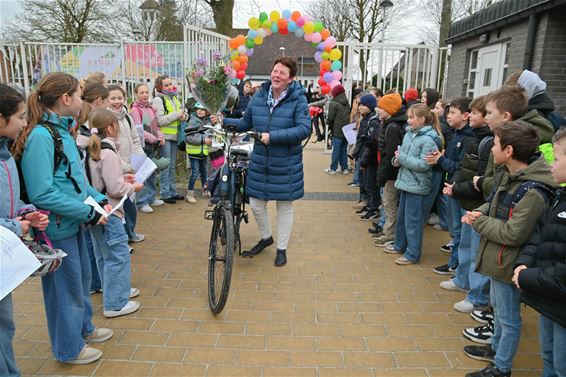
(54, 191)
(415, 175)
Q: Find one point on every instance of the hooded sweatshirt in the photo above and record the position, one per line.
(129, 142)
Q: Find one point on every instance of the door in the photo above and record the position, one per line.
(490, 62)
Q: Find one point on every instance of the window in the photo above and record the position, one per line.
(472, 73)
(487, 77)
(506, 47)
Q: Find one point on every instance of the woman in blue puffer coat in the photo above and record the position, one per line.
(279, 111)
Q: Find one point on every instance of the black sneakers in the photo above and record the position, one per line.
(480, 334)
(258, 248)
(444, 270)
(489, 371)
(482, 316)
(375, 230)
(370, 216)
(280, 258)
(480, 352)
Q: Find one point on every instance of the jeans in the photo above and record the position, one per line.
(357, 172)
(455, 214)
(67, 300)
(507, 323)
(553, 347)
(199, 167)
(149, 190)
(339, 154)
(95, 283)
(113, 260)
(284, 220)
(410, 225)
(131, 217)
(168, 188)
(462, 279)
(479, 284)
(441, 210)
(436, 181)
(7, 329)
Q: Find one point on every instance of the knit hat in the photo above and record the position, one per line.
(411, 94)
(391, 103)
(369, 101)
(337, 90)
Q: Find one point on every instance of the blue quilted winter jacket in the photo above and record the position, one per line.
(276, 170)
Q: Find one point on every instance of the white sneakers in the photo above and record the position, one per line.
(129, 308)
(449, 285)
(158, 203)
(146, 209)
(190, 197)
(464, 306)
(86, 356)
(329, 171)
(99, 335)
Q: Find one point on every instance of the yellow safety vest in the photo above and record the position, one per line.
(171, 107)
(197, 150)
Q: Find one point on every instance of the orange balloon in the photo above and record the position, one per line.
(232, 43)
(243, 59)
(325, 65)
(282, 23)
(236, 65)
(325, 33)
(240, 39)
(295, 15)
(328, 49)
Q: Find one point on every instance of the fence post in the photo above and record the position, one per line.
(123, 64)
(23, 60)
(434, 69)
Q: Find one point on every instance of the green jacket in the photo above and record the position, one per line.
(338, 115)
(545, 131)
(502, 239)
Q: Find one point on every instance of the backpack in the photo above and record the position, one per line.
(59, 157)
(103, 145)
(510, 201)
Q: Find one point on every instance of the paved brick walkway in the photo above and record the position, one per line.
(340, 307)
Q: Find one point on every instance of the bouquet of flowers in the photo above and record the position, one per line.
(209, 83)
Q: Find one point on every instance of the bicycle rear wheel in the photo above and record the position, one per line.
(220, 259)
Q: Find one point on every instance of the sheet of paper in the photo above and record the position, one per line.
(16, 262)
(92, 202)
(137, 161)
(350, 133)
(119, 205)
(145, 170)
(139, 128)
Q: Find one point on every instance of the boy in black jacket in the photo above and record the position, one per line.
(540, 271)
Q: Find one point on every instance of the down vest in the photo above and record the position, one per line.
(276, 170)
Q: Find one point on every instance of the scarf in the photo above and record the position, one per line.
(119, 114)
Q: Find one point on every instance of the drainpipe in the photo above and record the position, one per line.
(530, 46)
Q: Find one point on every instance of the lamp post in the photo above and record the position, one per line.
(282, 49)
(384, 5)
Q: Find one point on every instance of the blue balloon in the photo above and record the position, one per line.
(336, 65)
(320, 46)
(252, 34)
(286, 14)
(274, 28)
(292, 27)
(300, 32)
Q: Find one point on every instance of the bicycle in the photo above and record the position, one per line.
(227, 214)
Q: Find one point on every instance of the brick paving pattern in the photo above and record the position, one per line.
(340, 307)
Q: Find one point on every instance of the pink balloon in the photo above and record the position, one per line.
(307, 18)
(337, 75)
(308, 37)
(334, 83)
(330, 42)
(316, 37)
(300, 21)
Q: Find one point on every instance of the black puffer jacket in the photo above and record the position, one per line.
(389, 138)
(370, 122)
(544, 281)
(338, 115)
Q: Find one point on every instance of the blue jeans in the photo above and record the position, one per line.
(168, 186)
(199, 168)
(429, 200)
(149, 190)
(455, 214)
(131, 216)
(357, 172)
(7, 329)
(553, 347)
(113, 260)
(462, 279)
(507, 323)
(410, 225)
(441, 210)
(479, 284)
(339, 154)
(67, 300)
(95, 283)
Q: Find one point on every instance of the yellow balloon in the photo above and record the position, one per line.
(266, 24)
(335, 54)
(258, 40)
(309, 27)
(234, 55)
(253, 23)
(274, 15)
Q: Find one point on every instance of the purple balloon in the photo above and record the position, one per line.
(318, 57)
(250, 52)
(328, 78)
(320, 47)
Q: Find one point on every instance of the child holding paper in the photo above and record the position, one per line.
(14, 215)
(110, 240)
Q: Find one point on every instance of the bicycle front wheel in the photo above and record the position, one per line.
(220, 259)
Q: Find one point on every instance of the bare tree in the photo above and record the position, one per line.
(332, 17)
(222, 11)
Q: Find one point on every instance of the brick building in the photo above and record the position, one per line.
(508, 36)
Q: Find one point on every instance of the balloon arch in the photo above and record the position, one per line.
(327, 55)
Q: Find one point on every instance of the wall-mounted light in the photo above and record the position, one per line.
(484, 38)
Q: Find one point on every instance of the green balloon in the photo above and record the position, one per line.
(262, 16)
(318, 26)
(250, 43)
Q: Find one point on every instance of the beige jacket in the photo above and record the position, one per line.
(129, 143)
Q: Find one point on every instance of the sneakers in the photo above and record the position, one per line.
(146, 209)
(171, 200)
(433, 219)
(86, 356)
(345, 172)
(438, 227)
(375, 230)
(354, 185)
(449, 285)
(157, 203)
(139, 237)
(382, 241)
(359, 205)
(480, 352)
(489, 371)
(134, 292)
(464, 306)
(364, 210)
(129, 308)
(402, 261)
(447, 248)
(330, 171)
(444, 270)
(480, 334)
(389, 249)
(99, 335)
(370, 216)
(482, 316)
(280, 258)
(258, 248)
(190, 197)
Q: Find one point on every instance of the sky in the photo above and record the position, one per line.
(407, 31)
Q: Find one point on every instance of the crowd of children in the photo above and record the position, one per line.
(485, 163)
